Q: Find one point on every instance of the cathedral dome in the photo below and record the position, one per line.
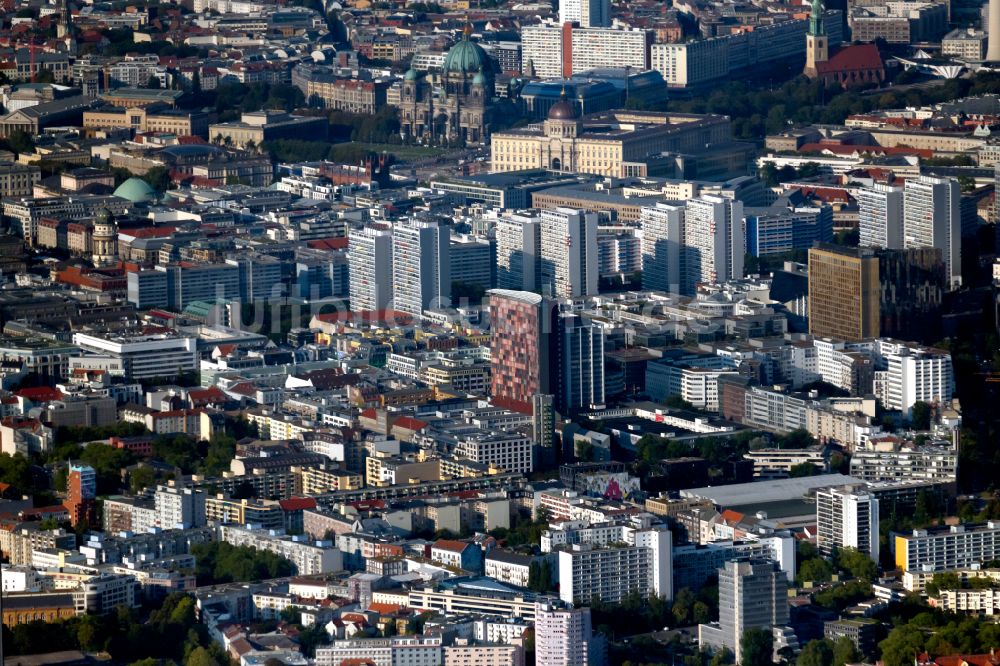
(562, 110)
(411, 75)
(136, 190)
(466, 57)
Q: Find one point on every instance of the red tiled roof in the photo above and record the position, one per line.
(231, 631)
(409, 423)
(828, 194)
(861, 57)
(151, 232)
(297, 503)
(464, 494)
(731, 516)
(162, 314)
(308, 581)
(367, 317)
(366, 505)
(329, 378)
(39, 393)
(518, 406)
(970, 659)
(244, 388)
(353, 617)
(206, 396)
(873, 150)
(241, 646)
(328, 244)
(451, 544)
(17, 422)
(384, 609)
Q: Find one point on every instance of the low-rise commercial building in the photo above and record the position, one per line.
(18, 180)
(144, 356)
(985, 603)
(148, 119)
(259, 126)
(906, 463)
(308, 557)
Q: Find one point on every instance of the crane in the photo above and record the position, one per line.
(32, 50)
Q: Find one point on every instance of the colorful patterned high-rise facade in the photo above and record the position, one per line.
(519, 347)
(81, 492)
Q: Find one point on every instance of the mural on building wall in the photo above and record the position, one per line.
(609, 485)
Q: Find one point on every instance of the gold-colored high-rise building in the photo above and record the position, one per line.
(844, 292)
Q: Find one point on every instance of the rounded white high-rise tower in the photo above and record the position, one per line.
(993, 32)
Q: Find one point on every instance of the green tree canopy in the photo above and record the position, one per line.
(856, 563)
(683, 608)
(920, 415)
(816, 570)
(797, 439)
(223, 563)
(845, 652)
(757, 647)
(804, 469)
(816, 653)
(901, 644)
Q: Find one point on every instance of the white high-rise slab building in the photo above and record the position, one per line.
(518, 237)
(588, 13)
(421, 266)
(847, 517)
(913, 373)
(569, 252)
(752, 595)
(640, 562)
(993, 33)
(880, 216)
(549, 51)
(179, 508)
(370, 268)
(562, 635)
(713, 242)
(662, 229)
(932, 218)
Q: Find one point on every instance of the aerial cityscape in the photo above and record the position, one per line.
(500, 332)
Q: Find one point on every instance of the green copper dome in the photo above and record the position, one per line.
(466, 57)
(479, 79)
(411, 75)
(136, 190)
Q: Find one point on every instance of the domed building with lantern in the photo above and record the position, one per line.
(618, 143)
(104, 240)
(461, 111)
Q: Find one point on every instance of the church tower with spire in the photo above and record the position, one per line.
(64, 29)
(817, 42)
